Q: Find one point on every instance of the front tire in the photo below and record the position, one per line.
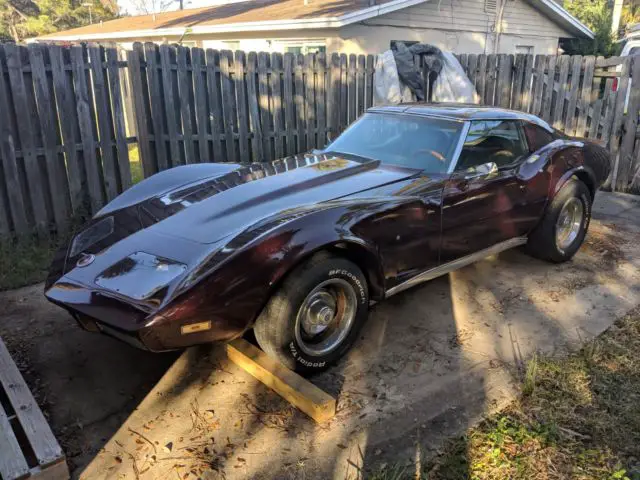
(315, 316)
(564, 225)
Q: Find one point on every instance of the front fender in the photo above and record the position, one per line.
(234, 284)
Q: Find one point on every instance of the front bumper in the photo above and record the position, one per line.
(96, 311)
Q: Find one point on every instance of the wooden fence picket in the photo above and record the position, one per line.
(321, 96)
(185, 99)
(310, 100)
(265, 106)
(14, 215)
(157, 105)
(215, 103)
(300, 102)
(139, 85)
(289, 109)
(103, 114)
(257, 145)
(201, 104)
(118, 117)
(278, 118)
(55, 169)
(586, 96)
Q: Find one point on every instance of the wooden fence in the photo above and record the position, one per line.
(197, 106)
(63, 144)
(68, 113)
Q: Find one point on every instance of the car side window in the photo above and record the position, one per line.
(497, 141)
(537, 137)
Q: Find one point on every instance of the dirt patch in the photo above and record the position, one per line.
(605, 242)
(86, 384)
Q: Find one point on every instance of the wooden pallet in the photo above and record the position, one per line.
(28, 448)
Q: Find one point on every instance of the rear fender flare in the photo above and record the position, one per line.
(583, 173)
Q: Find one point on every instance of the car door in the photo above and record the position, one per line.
(482, 199)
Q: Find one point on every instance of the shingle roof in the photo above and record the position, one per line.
(232, 13)
(266, 15)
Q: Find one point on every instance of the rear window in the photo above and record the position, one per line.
(399, 139)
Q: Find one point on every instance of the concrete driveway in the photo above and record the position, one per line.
(430, 362)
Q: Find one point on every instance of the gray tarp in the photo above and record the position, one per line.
(398, 79)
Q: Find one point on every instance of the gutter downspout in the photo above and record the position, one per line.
(498, 25)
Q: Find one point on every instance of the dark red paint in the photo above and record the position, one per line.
(238, 230)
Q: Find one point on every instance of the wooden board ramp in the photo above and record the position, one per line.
(298, 391)
(28, 448)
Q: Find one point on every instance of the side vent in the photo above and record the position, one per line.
(490, 6)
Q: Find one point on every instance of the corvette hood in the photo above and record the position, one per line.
(211, 210)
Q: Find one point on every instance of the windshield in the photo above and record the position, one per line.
(413, 141)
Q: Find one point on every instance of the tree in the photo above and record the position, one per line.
(20, 19)
(147, 7)
(630, 14)
(595, 14)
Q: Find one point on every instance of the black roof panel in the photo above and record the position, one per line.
(461, 111)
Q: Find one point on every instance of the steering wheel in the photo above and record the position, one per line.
(435, 154)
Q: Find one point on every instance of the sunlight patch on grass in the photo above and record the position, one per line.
(137, 175)
(580, 418)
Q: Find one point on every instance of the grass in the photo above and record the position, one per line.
(578, 418)
(24, 261)
(136, 165)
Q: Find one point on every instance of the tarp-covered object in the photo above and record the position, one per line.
(409, 72)
(398, 79)
(386, 83)
(452, 84)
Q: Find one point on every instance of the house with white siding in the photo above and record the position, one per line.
(349, 26)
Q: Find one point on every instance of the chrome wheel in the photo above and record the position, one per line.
(325, 317)
(569, 223)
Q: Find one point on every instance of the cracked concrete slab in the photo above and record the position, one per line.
(429, 363)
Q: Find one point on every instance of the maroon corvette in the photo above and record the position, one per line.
(298, 248)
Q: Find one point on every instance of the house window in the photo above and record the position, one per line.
(231, 45)
(526, 49)
(304, 48)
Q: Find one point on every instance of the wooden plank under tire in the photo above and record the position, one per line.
(297, 390)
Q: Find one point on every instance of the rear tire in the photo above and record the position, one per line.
(315, 316)
(564, 225)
